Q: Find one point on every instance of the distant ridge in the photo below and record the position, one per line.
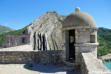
(4, 29)
(104, 39)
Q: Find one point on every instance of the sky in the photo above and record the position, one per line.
(18, 13)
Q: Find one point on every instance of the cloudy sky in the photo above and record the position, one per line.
(18, 13)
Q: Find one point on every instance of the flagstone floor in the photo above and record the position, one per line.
(36, 69)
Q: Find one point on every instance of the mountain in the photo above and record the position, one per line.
(104, 39)
(4, 29)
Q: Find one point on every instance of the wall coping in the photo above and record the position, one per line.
(30, 51)
(86, 44)
(78, 27)
(94, 65)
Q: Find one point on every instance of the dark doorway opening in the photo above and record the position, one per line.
(23, 40)
(71, 45)
(44, 42)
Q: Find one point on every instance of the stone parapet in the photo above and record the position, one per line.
(91, 65)
(24, 57)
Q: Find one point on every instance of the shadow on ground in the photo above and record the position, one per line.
(51, 68)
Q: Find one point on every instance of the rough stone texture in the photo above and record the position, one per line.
(91, 65)
(50, 57)
(82, 42)
(15, 40)
(49, 28)
(16, 57)
(39, 57)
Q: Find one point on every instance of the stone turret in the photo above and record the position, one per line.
(80, 35)
(79, 19)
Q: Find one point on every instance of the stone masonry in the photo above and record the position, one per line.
(15, 40)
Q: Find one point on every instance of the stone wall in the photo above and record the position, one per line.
(91, 65)
(15, 40)
(24, 57)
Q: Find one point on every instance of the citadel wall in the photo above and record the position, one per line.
(15, 40)
(27, 57)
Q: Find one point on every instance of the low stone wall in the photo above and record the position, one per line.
(106, 58)
(24, 57)
(83, 65)
(15, 40)
(91, 65)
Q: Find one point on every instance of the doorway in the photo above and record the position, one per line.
(23, 40)
(71, 45)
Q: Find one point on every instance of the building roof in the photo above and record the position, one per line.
(78, 19)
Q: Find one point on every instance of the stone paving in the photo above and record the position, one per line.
(35, 69)
(26, 47)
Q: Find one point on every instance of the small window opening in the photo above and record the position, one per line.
(92, 38)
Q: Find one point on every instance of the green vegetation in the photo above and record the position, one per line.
(1, 39)
(104, 39)
(4, 29)
(17, 31)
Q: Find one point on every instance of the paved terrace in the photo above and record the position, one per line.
(36, 69)
(18, 48)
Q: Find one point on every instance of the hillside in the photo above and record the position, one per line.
(11, 32)
(4, 29)
(104, 39)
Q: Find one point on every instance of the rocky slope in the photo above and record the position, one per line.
(47, 32)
